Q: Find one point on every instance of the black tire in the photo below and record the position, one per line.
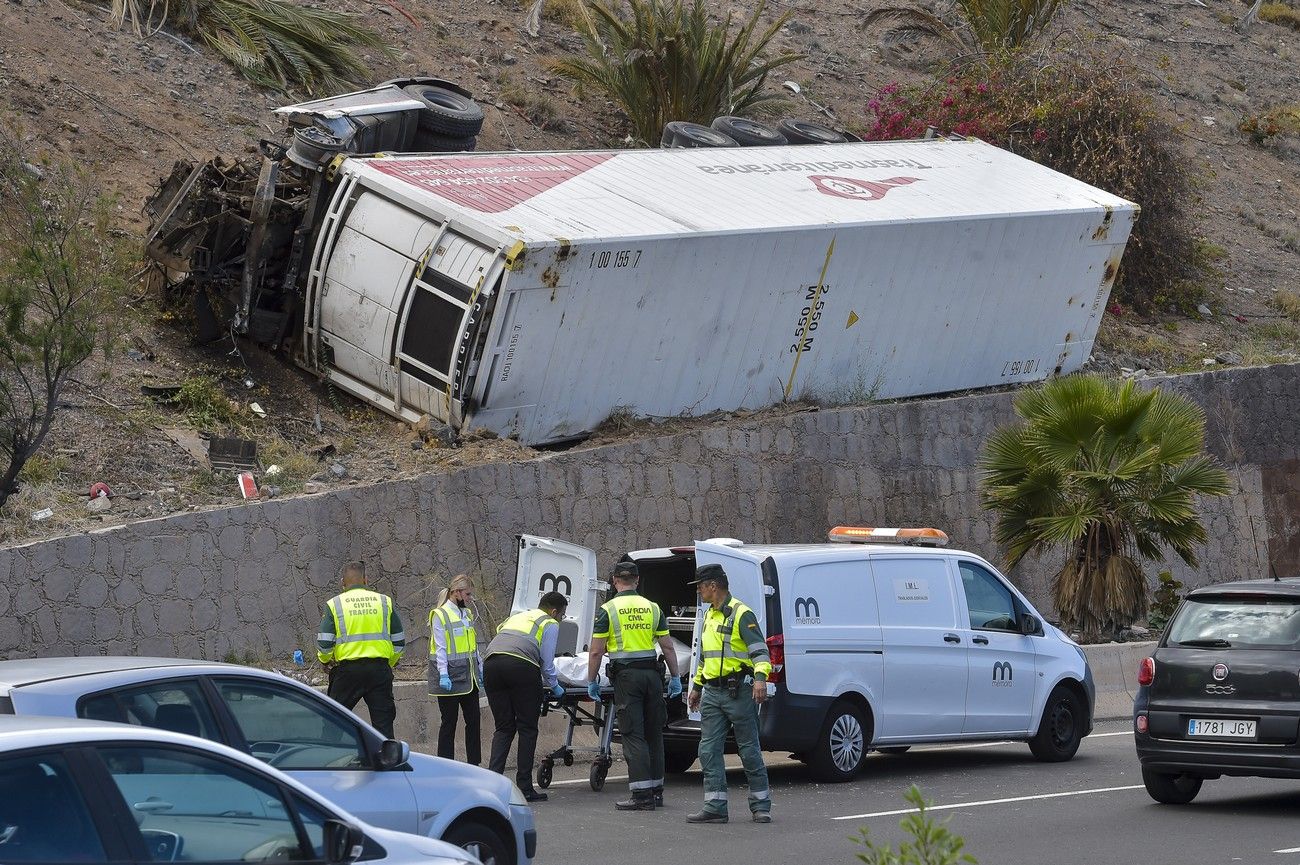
(446, 112)
(597, 776)
(481, 841)
(842, 744)
(679, 133)
(748, 133)
(1061, 729)
(895, 749)
(678, 760)
(544, 773)
(807, 132)
(568, 759)
(1171, 789)
(431, 142)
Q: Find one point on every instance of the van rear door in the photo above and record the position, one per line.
(925, 650)
(548, 565)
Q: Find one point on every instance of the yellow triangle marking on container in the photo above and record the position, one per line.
(853, 319)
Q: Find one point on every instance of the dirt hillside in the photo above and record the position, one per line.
(128, 107)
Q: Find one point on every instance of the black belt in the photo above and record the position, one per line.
(728, 679)
(638, 664)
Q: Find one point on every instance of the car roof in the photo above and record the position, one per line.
(29, 671)
(27, 731)
(758, 552)
(1284, 588)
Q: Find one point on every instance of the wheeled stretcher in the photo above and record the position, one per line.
(580, 708)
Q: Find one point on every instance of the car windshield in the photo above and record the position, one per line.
(1247, 623)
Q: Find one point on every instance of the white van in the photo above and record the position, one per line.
(879, 640)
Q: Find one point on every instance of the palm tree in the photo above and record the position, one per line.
(1110, 472)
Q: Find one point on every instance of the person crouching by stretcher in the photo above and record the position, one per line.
(523, 647)
(630, 626)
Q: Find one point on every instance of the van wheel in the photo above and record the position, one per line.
(678, 760)
(1171, 789)
(842, 745)
(483, 842)
(1061, 728)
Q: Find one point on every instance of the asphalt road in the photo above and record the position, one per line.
(1011, 809)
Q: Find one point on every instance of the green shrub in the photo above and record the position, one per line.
(271, 42)
(1164, 600)
(1101, 129)
(1005, 25)
(668, 61)
(205, 404)
(1279, 120)
(933, 843)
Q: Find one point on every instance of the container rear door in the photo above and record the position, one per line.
(547, 565)
(925, 652)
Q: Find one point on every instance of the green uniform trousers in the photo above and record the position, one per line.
(718, 711)
(639, 700)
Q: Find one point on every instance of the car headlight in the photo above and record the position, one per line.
(517, 795)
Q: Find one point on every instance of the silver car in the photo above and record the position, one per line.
(85, 791)
(293, 728)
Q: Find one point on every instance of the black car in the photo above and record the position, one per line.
(1221, 694)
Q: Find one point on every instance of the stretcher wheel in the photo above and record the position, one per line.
(598, 772)
(568, 759)
(544, 774)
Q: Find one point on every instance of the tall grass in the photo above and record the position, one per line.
(665, 60)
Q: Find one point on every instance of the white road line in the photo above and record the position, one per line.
(586, 781)
(1288, 850)
(990, 802)
(924, 749)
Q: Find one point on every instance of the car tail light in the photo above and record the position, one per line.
(1141, 723)
(776, 653)
(1147, 671)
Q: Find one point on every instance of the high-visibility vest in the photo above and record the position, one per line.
(631, 627)
(521, 636)
(362, 625)
(723, 650)
(462, 650)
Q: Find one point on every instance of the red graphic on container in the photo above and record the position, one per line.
(490, 184)
(860, 190)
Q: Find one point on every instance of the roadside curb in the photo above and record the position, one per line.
(1114, 671)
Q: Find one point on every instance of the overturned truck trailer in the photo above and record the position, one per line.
(535, 293)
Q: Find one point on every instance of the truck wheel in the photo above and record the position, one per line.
(678, 760)
(842, 745)
(481, 841)
(805, 132)
(1171, 789)
(446, 112)
(432, 142)
(748, 133)
(679, 133)
(1061, 728)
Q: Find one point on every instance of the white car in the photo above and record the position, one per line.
(87, 791)
(293, 728)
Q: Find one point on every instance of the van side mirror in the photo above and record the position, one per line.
(343, 842)
(393, 754)
(1029, 624)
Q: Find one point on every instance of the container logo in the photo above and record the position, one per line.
(490, 184)
(859, 190)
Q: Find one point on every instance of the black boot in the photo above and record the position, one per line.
(638, 802)
(659, 797)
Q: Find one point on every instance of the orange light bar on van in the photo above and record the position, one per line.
(923, 537)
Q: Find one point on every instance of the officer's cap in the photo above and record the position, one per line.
(710, 574)
(626, 570)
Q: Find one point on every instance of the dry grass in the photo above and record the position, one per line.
(1280, 13)
(538, 108)
(1286, 302)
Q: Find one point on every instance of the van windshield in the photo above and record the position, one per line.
(1259, 623)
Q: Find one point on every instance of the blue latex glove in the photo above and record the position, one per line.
(444, 682)
(593, 691)
(674, 687)
(557, 691)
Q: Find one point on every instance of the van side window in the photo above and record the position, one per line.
(992, 606)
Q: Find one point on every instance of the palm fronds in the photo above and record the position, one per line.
(273, 43)
(1005, 25)
(665, 61)
(1112, 473)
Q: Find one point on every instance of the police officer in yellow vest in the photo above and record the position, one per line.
(627, 627)
(519, 661)
(730, 683)
(360, 640)
(455, 668)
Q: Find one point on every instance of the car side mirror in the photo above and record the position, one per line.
(1029, 624)
(393, 754)
(343, 842)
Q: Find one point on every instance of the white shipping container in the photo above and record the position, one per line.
(535, 293)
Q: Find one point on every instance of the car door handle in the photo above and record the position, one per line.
(152, 806)
(983, 641)
(951, 638)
